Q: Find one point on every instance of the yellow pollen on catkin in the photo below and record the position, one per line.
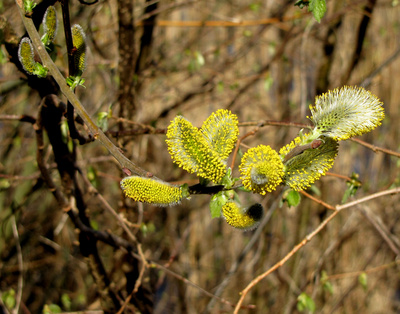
(304, 169)
(261, 169)
(242, 219)
(79, 42)
(346, 112)
(25, 55)
(220, 131)
(148, 190)
(50, 23)
(190, 151)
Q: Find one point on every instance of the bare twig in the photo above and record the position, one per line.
(367, 271)
(109, 208)
(308, 238)
(251, 133)
(317, 200)
(381, 229)
(376, 148)
(18, 296)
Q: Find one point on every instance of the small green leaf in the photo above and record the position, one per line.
(102, 120)
(66, 301)
(217, 201)
(292, 198)
(352, 187)
(255, 7)
(74, 81)
(305, 302)
(220, 86)
(363, 280)
(326, 284)
(268, 81)
(199, 58)
(51, 309)
(29, 6)
(318, 9)
(40, 70)
(8, 298)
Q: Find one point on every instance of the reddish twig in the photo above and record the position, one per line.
(307, 239)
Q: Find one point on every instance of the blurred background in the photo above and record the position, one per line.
(151, 60)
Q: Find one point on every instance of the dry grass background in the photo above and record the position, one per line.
(261, 72)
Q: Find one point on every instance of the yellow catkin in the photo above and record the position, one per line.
(190, 151)
(346, 112)
(242, 219)
(79, 42)
(304, 169)
(148, 190)
(220, 132)
(50, 23)
(261, 169)
(25, 55)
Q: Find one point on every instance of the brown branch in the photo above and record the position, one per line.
(376, 148)
(367, 271)
(21, 118)
(65, 89)
(317, 200)
(307, 239)
(239, 141)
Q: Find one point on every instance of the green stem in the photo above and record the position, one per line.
(69, 94)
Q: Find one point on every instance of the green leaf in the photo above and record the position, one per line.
(318, 9)
(255, 7)
(363, 280)
(352, 187)
(8, 299)
(216, 203)
(40, 71)
(326, 284)
(102, 120)
(66, 301)
(305, 302)
(293, 198)
(29, 5)
(74, 81)
(51, 309)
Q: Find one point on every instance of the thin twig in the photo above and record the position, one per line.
(18, 296)
(376, 148)
(359, 272)
(108, 207)
(251, 133)
(381, 229)
(238, 23)
(145, 265)
(138, 282)
(317, 200)
(307, 239)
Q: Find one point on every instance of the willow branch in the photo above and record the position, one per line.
(307, 239)
(69, 94)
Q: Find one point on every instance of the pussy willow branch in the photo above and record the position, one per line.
(69, 94)
(307, 239)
